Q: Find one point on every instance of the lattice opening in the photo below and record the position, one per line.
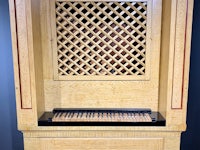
(101, 38)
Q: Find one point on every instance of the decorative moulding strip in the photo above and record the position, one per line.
(178, 90)
(23, 54)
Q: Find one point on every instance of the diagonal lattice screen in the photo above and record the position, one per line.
(101, 38)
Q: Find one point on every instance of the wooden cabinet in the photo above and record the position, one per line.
(101, 54)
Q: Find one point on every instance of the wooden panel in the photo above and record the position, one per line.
(187, 58)
(111, 42)
(103, 132)
(177, 115)
(37, 89)
(165, 62)
(103, 93)
(110, 139)
(26, 117)
(93, 144)
(15, 53)
(98, 94)
(173, 95)
(179, 53)
(23, 53)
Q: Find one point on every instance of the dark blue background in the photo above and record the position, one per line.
(11, 139)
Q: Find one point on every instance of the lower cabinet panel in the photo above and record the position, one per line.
(93, 143)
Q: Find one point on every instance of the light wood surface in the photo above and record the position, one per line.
(23, 45)
(93, 144)
(161, 87)
(179, 52)
(132, 93)
(81, 53)
(103, 140)
(112, 56)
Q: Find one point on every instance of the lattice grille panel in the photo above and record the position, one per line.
(101, 38)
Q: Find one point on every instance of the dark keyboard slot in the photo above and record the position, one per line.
(101, 117)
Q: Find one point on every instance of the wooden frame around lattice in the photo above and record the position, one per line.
(101, 40)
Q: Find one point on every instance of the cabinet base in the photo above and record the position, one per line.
(99, 140)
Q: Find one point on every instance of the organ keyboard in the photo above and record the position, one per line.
(101, 117)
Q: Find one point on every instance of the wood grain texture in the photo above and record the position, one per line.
(38, 88)
(165, 72)
(93, 144)
(187, 58)
(103, 140)
(181, 113)
(22, 113)
(179, 52)
(23, 53)
(112, 133)
(99, 47)
(111, 93)
(37, 54)
(15, 53)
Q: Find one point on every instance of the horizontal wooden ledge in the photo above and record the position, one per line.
(98, 134)
(174, 128)
(103, 78)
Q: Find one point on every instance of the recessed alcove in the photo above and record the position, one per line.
(100, 54)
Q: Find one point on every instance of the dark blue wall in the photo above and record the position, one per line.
(11, 139)
(191, 138)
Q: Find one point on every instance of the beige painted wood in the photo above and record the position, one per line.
(87, 72)
(101, 30)
(37, 58)
(15, 54)
(179, 53)
(171, 114)
(165, 63)
(164, 91)
(187, 59)
(167, 80)
(172, 128)
(23, 45)
(23, 113)
(112, 133)
(93, 144)
(111, 93)
(46, 40)
(102, 140)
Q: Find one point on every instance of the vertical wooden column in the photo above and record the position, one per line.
(179, 53)
(22, 45)
(23, 53)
